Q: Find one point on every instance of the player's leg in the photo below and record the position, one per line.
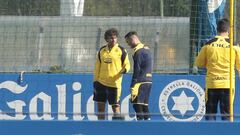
(140, 103)
(101, 110)
(138, 108)
(224, 104)
(146, 89)
(146, 112)
(114, 101)
(137, 101)
(100, 97)
(211, 104)
(117, 113)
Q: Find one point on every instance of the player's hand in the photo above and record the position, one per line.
(117, 76)
(195, 70)
(134, 93)
(123, 71)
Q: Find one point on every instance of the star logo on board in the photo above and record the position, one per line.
(175, 97)
(183, 103)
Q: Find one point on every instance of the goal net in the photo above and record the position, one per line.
(64, 35)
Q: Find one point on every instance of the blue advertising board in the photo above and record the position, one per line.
(69, 97)
(117, 128)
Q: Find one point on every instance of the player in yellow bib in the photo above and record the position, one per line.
(111, 63)
(215, 57)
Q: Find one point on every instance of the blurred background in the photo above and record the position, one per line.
(63, 36)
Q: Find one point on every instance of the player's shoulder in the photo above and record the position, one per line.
(209, 42)
(146, 47)
(145, 50)
(236, 48)
(217, 39)
(101, 48)
(122, 49)
(227, 40)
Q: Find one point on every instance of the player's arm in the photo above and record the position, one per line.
(97, 68)
(136, 68)
(126, 64)
(237, 55)
(136, 72)
(201, 59)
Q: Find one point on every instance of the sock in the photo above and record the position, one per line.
(118, 116)
(139, 111)
(146, 112)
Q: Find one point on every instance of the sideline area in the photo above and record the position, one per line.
(117, 128)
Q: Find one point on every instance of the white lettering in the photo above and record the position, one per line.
(13, 87)
(44, 112)
(125, 108)
(90, 109)
(17, 105)
(77, 102)
(110, 112)
(46, 107)
(62, 102)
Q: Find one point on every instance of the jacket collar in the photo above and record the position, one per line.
(137, 47)
(218, 36)
(114, 46)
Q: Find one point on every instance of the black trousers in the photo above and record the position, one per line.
(215, 97)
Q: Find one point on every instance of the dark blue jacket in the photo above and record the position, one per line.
(142, 70)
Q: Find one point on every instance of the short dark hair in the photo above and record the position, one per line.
(110, 32)
(223, 25)
(129, 34)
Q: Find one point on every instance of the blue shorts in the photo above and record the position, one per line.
(143, 94)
